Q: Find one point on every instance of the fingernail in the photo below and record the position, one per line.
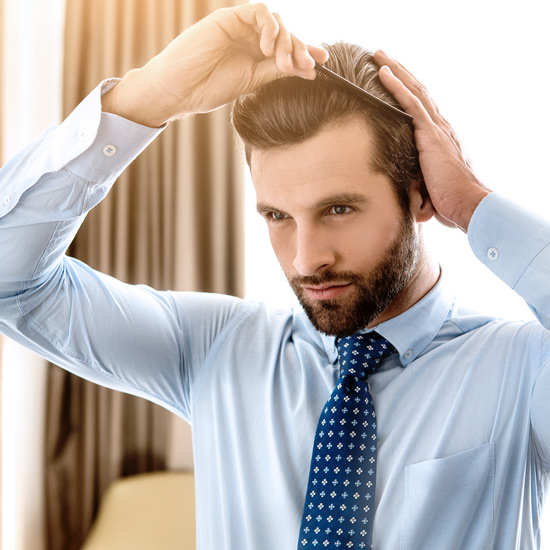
(384, 54)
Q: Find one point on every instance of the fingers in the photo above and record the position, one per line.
(292, 56)
(416, 101)
(319, 54)
(408, 100)
(304, 57)
(284, 47)
(275, 39)
(258, 15)
(409, 82)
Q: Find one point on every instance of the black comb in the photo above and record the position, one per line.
(376, 103)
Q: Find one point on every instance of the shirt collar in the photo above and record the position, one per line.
(414, 329)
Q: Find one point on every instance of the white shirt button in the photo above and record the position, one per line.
(82, 133)
(408, 354)
(109, 150)
(493, 254)
(6, 200)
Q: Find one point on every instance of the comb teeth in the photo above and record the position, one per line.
(379, 105)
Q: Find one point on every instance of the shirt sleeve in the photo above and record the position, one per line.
(125, 337)
(514, 243)
(540, 413)
(48, 188)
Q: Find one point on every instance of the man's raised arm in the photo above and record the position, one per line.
(69, 169)
(511, 241)
(229, 53)
(91, 324)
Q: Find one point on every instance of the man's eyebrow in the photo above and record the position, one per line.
(337, 199)
(341, 199)
(262, 208)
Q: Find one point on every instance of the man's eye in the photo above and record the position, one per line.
(277, 216)
(340, 209)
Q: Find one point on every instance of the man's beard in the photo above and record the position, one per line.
(372, 293)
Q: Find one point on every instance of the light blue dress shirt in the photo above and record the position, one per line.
(463, 423)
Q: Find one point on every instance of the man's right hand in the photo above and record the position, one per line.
(231, 52)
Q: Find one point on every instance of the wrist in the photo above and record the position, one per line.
(134, 99)
(469, 206)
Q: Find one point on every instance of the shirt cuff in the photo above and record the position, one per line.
(511, 241)
(97, 146)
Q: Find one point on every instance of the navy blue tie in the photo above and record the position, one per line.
(339, 506)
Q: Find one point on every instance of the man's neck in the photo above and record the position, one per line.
(424, 278)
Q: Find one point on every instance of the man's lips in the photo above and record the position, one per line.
(326, 291)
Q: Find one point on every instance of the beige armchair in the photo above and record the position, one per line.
(146, 512)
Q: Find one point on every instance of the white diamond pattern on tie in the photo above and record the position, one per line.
(339, 506)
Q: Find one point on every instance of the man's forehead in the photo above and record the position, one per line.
(339, 151)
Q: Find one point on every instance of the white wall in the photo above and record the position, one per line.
(33, 49)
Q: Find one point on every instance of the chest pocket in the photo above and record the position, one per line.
(448, 502)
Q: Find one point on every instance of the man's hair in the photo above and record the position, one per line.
(290, 110)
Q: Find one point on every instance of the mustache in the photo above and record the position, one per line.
(325, 278)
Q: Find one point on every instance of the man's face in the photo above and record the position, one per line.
(339, 233)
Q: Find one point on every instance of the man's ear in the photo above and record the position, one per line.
(422, 208)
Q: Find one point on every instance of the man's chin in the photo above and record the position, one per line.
(335, 319)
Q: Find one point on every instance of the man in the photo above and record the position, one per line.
(459, 415)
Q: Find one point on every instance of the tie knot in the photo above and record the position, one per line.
(361, 354)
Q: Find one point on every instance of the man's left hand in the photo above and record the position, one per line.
(454, 189)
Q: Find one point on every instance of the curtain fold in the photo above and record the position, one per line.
(173, 221)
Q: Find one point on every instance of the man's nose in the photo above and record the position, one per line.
(314, 252)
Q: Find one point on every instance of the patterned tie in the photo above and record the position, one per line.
(339, 507)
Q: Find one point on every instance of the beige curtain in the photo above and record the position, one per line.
(173, 221)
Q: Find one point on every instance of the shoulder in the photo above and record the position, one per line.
(497, 339)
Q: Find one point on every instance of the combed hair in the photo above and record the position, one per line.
(290, 110)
